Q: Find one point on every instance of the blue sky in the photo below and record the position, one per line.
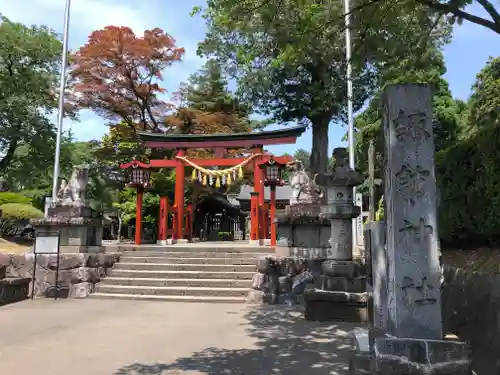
(465, 56)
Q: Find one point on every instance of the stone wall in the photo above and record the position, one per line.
(13, 289)
(471, 310)
(78, 273)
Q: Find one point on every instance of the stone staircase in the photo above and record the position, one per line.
(196, 273)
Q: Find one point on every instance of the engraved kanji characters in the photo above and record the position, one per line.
(411, 182)
(419, 231)
(412, 125)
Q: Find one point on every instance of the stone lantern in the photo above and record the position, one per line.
(339, 205)
(342, 295)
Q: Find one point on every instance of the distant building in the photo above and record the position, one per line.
(283, 194)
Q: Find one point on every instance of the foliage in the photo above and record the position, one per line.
(127, 207)
(285, 66)
(20, 211)
(8, 197)
(206, 106)
(448, 113)
(484, 104)
(303, 156)
(29, 63)
(32, 170)
(116, 74)
(468, 175)
(380, 213)
(289, 62)
(454, 10)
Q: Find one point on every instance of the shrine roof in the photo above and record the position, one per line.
(270, 137)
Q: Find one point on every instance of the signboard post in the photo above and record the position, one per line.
(359, 240)
(46, 243)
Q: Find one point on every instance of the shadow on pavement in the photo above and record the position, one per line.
(286, 344)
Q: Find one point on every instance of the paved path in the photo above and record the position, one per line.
(107, 337)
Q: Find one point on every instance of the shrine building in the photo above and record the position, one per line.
(259, 201)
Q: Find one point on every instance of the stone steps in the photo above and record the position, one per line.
(182, 273)
(194, 254)
(180, 260)
(173, 291)
(150, 297)
(189, 249)
(184, 267)
(141, 281)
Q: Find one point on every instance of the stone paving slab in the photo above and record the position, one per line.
(114, 337)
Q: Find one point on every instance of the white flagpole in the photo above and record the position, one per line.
(60, 117)
(350, 120)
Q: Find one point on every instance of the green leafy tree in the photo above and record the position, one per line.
(303, 156)
(448, 113)
(289, 62)
(126, 207)
(29, 64)
(206, 106)
(484, 103)
(454, 11)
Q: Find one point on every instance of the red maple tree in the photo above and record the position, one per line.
(116, 74)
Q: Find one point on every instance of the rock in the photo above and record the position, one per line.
(255, 296)
(86, 274)
(70, 261)
(74, 269)
(258, 281)
(4, 259)
(301, 281)
(81, 290)
(263, 263)
(4, 263)
(284, 284)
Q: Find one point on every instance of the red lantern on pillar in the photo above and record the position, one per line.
(273, 176)
(273, 173)
(139, 176)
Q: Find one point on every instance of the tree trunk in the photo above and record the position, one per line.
(9, 154)
(318, 161)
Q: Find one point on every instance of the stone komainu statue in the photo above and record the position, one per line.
(304, 190)
(74, 192)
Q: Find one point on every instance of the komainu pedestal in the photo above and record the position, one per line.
(301, 232)
(342, 294)
(80, 227)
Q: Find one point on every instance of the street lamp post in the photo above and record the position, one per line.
(62, 85)
(350, 119)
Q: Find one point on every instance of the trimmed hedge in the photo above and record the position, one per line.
(20, 211)
(9, 197)
(469, 178)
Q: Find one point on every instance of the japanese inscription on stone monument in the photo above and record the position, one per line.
(411, 182)
(418, 232)
(410, 191)
(411, 125)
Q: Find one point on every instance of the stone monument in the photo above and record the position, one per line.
(80, 227)
(342, 294)
(407, 336)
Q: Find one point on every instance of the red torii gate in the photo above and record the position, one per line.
(220, 143)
